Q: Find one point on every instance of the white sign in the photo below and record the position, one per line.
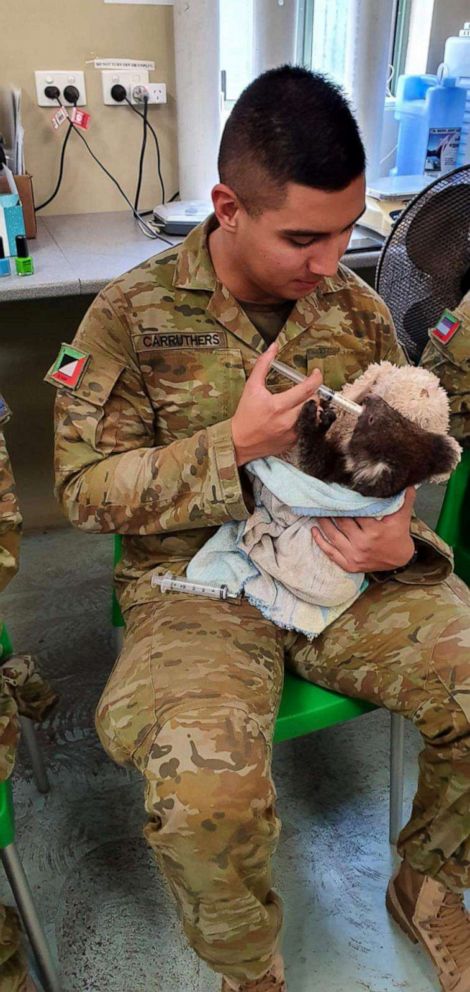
(156, 3)
(122, 63)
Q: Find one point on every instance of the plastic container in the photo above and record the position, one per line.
(431, 115)
(457, 63)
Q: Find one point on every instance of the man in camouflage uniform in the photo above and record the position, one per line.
(447, 354)
(155, 419)
(21, 690)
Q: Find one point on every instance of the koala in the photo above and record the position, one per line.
(378, 453)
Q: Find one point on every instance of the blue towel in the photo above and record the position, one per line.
(272, 558)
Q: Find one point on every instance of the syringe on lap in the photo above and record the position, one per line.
(324, 391)
(173, 583)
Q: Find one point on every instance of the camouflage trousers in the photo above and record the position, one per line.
(192, 703)
(13, 969)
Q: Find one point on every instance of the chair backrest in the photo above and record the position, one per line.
(454, 520)
(6, 647)
(7, 818)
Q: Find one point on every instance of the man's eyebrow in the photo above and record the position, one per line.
(298, 233)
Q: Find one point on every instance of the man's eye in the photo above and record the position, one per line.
(302, 244)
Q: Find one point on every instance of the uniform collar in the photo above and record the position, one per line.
(194, 269)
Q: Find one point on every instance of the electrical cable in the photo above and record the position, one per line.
(150, 232)
(61, 170)
(142, 154)
(157, 146)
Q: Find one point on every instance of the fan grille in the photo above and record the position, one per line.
(425, 262)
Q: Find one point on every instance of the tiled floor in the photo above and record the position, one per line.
(104, 907)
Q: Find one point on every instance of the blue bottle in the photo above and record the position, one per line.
(431, 114)
(4, 262)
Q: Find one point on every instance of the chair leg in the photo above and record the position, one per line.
(397, 740)
(35, 754)
(27, 910)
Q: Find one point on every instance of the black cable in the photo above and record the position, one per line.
(61, 170)
(174, 197)
(150, 233)
(142, 154)
(157, 146)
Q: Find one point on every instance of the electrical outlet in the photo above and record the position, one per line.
(61, 79)
(129, 78)
(155, 93)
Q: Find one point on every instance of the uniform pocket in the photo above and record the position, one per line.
(193, 389)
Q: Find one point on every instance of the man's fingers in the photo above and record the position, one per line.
(263, 364)
(330, 551)
(298, 395)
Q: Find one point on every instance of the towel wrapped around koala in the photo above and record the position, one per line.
(272, 558)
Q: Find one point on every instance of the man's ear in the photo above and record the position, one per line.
(444, 456)
(227, 207)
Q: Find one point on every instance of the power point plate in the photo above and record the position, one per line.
(129, 78)
(61, 79)
(155, 93)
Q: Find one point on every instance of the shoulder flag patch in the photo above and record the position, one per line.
(69, 366)
(446, 327)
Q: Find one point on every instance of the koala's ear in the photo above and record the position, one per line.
(444, 455)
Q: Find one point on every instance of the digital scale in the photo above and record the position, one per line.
(387, 197)
(181, 216)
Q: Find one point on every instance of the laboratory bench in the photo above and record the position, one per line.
(74, 256)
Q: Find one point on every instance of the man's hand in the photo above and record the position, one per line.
(365, 544)
(263, 423)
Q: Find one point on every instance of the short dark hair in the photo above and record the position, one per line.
(289, 125)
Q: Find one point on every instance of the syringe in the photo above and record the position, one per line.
(172, 583)
(324, 391)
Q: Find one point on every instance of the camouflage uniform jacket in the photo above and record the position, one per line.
(10, 517)
(450, 361)
(143, 440)
(22, 688)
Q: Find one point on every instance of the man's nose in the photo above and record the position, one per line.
(324, 261)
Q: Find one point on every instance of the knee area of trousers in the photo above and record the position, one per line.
(444, 714)
(210, 776)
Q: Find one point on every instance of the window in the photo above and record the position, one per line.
(236, 44)
(322, 36)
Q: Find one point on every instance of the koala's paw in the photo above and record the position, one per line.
(327, 416)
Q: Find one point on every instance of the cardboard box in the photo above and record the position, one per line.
(24, 185)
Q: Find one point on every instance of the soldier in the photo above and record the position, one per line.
(447, 354)
(164, 396)
(21, 690)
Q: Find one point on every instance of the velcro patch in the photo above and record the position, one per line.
(446, 327)
(69, 366)
(160, 340)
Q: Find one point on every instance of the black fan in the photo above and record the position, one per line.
(424, 265)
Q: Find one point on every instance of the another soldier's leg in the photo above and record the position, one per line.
(192, 703)
(13, 974)
(408, 648)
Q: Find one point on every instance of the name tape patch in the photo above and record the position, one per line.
(446, 327)
(69, 366)
(159, 340)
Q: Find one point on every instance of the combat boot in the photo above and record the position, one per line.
(272, 981)
(429, 913)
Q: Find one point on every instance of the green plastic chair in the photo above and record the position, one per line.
(454, 519)
(306, 707)
(9, 854)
